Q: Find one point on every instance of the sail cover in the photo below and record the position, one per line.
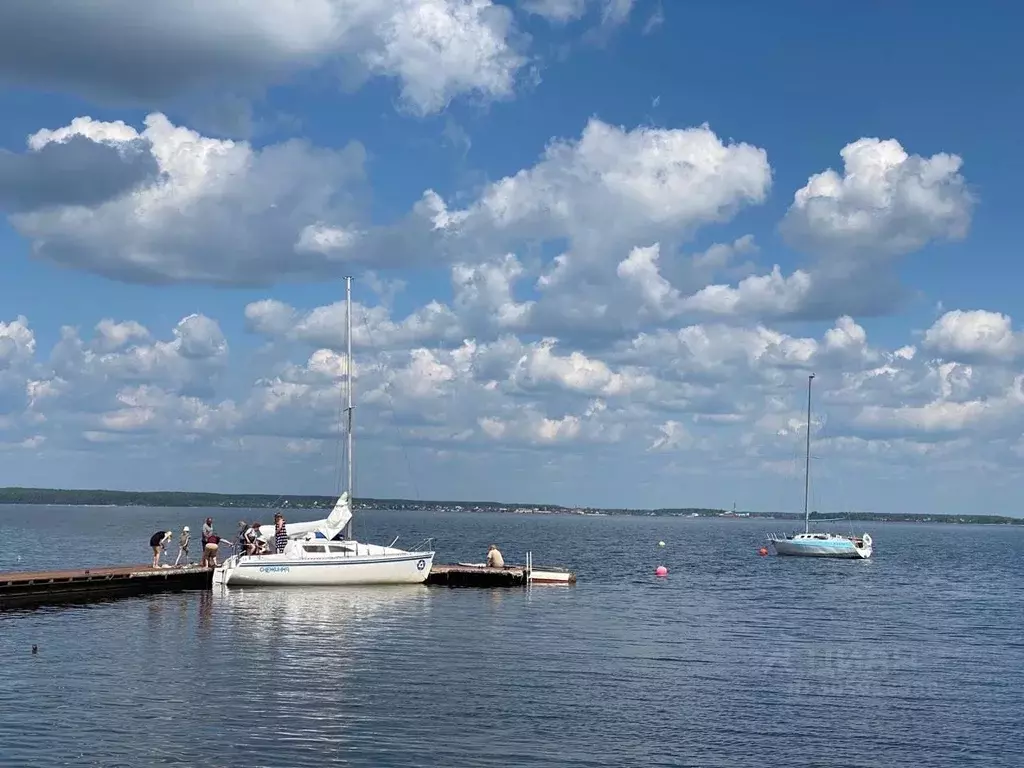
(328, 527)
(338, 519)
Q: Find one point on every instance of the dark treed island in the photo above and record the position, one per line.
(271, 501)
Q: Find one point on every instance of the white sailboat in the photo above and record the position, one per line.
(808, 544)
(323, 552)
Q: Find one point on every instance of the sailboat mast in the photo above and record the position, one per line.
(807, 460)
(349, 368)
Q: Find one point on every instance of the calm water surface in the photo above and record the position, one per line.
(915, 658)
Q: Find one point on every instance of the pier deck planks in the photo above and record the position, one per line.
(21, 590)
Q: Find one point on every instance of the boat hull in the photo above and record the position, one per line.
(279, 571)
(835, 547)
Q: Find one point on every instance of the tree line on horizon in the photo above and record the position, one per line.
(102, 497)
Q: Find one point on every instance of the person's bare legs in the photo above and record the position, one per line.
(211, 552)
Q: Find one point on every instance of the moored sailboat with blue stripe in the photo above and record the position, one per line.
(818, 544)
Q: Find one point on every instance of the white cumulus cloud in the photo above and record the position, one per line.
(966, 335)
(886, 202)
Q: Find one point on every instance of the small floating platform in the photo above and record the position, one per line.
(25, 590)
(479, 575)
(475, 576)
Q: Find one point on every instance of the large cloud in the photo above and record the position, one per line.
(598, 199)
(886, 204)
(620, 184)
(436, 49)
(218, 211)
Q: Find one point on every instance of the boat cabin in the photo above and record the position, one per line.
(315, 548)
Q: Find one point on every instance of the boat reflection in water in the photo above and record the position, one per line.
(302, 617)
(314, 665)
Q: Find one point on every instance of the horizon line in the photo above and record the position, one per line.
(15, 488)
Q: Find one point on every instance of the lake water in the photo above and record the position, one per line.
(914, 658)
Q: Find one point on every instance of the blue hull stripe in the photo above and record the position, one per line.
(820, 543)
(349, 561)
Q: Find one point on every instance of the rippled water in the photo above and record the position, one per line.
(915, 658)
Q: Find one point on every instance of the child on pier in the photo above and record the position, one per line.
(183, 543)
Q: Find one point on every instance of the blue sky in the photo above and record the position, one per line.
(563, 218)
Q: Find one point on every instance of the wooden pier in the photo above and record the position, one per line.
(25, 590)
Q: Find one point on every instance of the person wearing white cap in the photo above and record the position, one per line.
(183, 543)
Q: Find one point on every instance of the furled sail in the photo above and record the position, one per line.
(339, 517)
(328, 527)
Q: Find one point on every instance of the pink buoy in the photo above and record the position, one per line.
(661, 570)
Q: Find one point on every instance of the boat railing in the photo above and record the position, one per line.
(427, 545)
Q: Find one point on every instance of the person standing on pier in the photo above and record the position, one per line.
(183, 543)
(210, 551)
(207, 531)
(494, 558)
(158, 541)
(280, 533)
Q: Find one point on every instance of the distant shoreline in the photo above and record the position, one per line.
(108, 498)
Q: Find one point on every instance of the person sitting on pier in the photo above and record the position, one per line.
(158, 541)
(494, 558)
